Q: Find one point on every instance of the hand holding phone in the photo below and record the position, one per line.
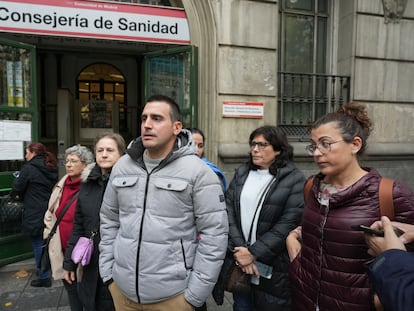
(377, 232)
(368, 229)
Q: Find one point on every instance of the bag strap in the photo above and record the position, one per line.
(386, 202)
(260, 202)
(53, 231)
(308, 186)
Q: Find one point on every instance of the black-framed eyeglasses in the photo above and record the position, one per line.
(259, 145)
(324, 147)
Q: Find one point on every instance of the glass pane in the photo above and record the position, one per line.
(321, 46)
(95, 87)
(109, 96)
(170, 75)
(15, 73)
(298, 43)
(323, 6)
(83, 87)
(119, 88)
(108, 87)
(119, 98)
(307, 5)
(96, 114)
(83, 95)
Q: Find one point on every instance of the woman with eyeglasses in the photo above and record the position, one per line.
(93, 293)
(64, 197)
(264, 203)
(33, 185)
(329, 260)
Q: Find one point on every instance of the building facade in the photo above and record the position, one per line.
(232, 65)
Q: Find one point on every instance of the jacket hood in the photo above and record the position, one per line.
(184, 145)
(39, 162)
(87, 171)
(92, 172)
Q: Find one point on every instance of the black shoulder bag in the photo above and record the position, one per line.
(45, 259)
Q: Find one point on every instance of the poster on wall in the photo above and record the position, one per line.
(15, 83)
(248, 110)
(11, 150)
(13, 135)
(11, 130)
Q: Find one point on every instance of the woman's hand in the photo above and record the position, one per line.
(251, 269)
(293, 244)
(243, 256)
(69, 276)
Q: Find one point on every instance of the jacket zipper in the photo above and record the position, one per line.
(325, 217)
(140, 238)
(182, 250)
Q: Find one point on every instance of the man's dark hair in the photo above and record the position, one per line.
(175, 112)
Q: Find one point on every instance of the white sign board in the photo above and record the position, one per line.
(251, 110)
(15, 130)
(11, 150)
(95, 19)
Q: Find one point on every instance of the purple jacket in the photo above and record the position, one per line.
(330, 273)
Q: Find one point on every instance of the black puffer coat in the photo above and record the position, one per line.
(281, 212)
(34, 183)
(87, 221)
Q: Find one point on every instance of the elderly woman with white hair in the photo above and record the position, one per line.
(63, 201)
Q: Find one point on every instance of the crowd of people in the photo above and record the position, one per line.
(167, 232)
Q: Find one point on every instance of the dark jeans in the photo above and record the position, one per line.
(74, 301)
(243, 302)
(37, 243)
(103, 299)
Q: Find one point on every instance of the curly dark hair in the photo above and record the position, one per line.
(352, 121)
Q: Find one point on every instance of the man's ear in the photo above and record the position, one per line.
(177, 127)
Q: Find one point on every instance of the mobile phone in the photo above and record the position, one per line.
(377, 232)
(367, 229)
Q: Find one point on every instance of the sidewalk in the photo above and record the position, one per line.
(17, 294)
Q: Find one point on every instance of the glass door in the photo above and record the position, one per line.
(173, 73)
(19, 124)
(19, 117)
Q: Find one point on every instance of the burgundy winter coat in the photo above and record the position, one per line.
(330, 273)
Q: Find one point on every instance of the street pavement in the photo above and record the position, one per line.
(17, 294)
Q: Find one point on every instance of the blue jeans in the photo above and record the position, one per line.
(37, 243)
(243, 302)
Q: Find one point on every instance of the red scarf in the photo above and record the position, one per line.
(70, 188)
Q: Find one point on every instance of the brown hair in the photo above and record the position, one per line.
(40, 150)
(118, 139)
(352, 120)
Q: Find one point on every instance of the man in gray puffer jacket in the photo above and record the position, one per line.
(163, 219)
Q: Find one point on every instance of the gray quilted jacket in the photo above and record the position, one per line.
(163, 233)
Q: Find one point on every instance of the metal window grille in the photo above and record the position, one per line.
(304, 97)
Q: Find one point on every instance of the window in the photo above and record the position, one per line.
(101, 82)
(306, 89)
